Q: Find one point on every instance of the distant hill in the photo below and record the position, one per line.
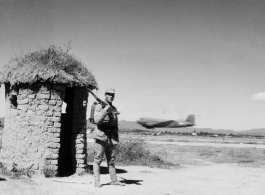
(260, 131)
(130, 125)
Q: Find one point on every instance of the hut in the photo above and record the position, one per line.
(37, 135)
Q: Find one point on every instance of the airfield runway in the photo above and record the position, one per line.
(201, 144)
(209, 144)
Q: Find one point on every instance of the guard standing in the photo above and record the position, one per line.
(106, 138)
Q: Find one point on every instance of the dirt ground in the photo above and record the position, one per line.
(206, 179)
(197, 178)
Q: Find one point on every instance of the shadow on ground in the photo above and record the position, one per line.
(130, 181)
(127, 182)
(2, 179)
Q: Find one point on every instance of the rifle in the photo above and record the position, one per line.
(112, 110)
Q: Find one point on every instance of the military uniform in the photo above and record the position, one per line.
(106, 138)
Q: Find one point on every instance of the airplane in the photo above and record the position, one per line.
(159, 123)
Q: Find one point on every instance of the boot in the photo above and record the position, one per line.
(96, 170)
(113, 177)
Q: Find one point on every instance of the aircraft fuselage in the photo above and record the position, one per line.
(159, 123)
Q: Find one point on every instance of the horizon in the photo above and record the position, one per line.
(165, 59)
(189, 128)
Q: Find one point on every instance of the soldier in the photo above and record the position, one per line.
(106, 138)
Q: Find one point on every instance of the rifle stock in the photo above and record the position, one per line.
(112, 110)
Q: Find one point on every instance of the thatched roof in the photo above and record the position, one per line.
(47, 65)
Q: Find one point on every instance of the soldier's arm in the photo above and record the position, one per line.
(115, 133)
(116, 126)
(100, 113)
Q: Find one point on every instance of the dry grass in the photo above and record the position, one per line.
(193, 155)
(47, 65)
(233, 155)
(134, 151)
(16, 173)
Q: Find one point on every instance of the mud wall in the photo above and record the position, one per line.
(31, 136)
(32, 125)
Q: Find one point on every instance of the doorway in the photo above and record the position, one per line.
(65, 160)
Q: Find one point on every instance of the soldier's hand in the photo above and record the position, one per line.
(107, 107)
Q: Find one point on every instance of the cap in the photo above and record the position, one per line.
(109, 90)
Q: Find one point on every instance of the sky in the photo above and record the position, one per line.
(165, 58)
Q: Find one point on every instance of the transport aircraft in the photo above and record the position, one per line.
(164, 123)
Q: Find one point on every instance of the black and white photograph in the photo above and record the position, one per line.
(132, 97)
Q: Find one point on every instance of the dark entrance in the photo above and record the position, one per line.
(65, 161)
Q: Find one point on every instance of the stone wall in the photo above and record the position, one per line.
(32, 131)
(32, 127)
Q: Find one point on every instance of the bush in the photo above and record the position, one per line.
(49, 171)
(136, 152)
(16, 173)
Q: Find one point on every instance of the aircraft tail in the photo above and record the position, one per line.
(191, 119)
